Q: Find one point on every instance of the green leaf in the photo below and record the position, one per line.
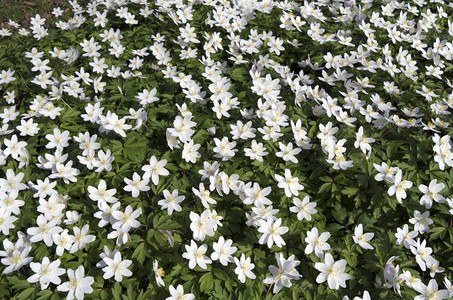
(350, 191)
(339, 213)
(18, 284)
(325, 188)
(437, 232)
(140, 253)
(116, 291)
(206, 282)
(25, 294)
(44, 294)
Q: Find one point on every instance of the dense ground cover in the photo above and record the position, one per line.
(227, 150)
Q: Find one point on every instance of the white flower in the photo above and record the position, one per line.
(256, 195)
(362, 141)
(104, 161)
(105, 213)
(366, 296)
(183, 128)
(12, 182)
(223, 251)
(405, 236)
(285, 272)
(288, 152)
(431, 292)
(44, 188)
(385, 172)
(204, 195)
(67, 172)
(178, 294)
(304, 208)
(147, 97)
(116, 267)
(242, 131)
(81, 238)
(155, 169)
(101, 193)
(63, 241)
(44, 230)
(196, 255)
(28, 127)
(10, 203)
(316, 242)
(171, 201)
(46, 272)
(361, 238)
(16, 259)
(272, 232)
(244, 268)
(399, 187)
(58, 139)
(332, 272)
(72, 217)
(202, 225)
(421, 221)
(78, 285)
(127, 219)
(136, 185)
(224, 149)
(431, 193)
(391, 274)
(6, 221)
(290, 184)
(158, 273)
(190, 152)
(422, 254)
(256, 151)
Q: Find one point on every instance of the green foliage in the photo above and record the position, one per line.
(344, 196)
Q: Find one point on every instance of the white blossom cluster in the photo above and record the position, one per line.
(374, 82)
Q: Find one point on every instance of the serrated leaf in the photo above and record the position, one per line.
(206, 282)
(140, 253)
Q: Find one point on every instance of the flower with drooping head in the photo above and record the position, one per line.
(158, 273)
